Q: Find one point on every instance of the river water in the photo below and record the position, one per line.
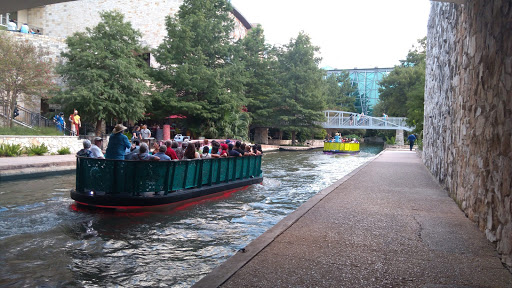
(46, 242)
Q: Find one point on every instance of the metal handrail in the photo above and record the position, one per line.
(351, 120)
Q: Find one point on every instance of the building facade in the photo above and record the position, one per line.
(367, 83)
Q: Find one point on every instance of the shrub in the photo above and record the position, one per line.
(37, 150)
(10, 150)
(64, 151)
(391, 141)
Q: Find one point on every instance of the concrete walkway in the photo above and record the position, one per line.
(12, 168)
(387, 224)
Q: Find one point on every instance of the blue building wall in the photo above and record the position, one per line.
(367, 82)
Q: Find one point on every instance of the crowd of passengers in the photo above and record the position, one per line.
(120, 148)
(340, 139)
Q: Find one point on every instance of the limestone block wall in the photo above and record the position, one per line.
(468, 111)
(54, 143)
(148, 16)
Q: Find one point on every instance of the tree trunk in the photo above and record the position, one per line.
(99, 125)
(280, 134)
(294, 134)
(11, 101)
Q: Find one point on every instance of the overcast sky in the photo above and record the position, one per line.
(356, 33)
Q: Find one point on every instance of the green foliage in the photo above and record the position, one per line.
(21, 60)
(36, 150)
(200, 75)
(319, 133)
(391, 141)
(103, 72)
(402, 91)
(302, 100)
(64, 151)
(19, 130)
(340, 92)
(261, 69)
(10, 150)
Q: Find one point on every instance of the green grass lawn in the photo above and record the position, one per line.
(40, 131)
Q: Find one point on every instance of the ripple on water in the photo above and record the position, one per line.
(41, 239)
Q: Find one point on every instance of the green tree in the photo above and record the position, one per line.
(261, 86)
(301, 103)
(200, 73)
(24, 72)
(104, 72)
(339, 92)
(402, 91)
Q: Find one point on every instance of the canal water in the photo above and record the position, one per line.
(46, 242)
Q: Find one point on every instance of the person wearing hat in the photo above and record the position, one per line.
(96, 148)
(117, 143)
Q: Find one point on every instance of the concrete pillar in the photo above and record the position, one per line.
(167, 132)
(261, 135)
(399, 138)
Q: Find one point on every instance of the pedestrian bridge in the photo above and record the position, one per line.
(351, 120)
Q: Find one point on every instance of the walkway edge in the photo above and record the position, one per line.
(225, 270)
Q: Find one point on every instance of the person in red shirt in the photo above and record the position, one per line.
(170, 152)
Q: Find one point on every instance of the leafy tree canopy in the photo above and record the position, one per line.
(302, 100)
(340, 92)
(24, 72)
(261, 86)
(402, 91)
(104, 72)
(200, 74)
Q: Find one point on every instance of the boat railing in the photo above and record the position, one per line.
(134, 178)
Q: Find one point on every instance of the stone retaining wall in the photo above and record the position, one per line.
(468, 111)
(54, 143)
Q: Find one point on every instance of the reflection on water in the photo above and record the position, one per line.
(44, 241)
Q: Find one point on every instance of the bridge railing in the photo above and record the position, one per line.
(348, 120)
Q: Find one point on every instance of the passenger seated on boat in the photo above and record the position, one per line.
(180, 150)
(215, 153)
(86, 152)
(156, 147)
(238, 148)
(197, 145)
(223, 148)
(255, 150)
(134, 149)
(248, 151)
(161, 153)
(170, 151)
(232, 152)
(206, 153)
(215, 144)
(143, 154)
(190, 152)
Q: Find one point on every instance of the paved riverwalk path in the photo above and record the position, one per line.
(387, 224)
(12, 168)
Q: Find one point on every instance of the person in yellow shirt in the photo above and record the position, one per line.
(75, 123)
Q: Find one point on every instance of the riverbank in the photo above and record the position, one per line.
(386, 224)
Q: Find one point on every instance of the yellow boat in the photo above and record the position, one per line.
(343, 148)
